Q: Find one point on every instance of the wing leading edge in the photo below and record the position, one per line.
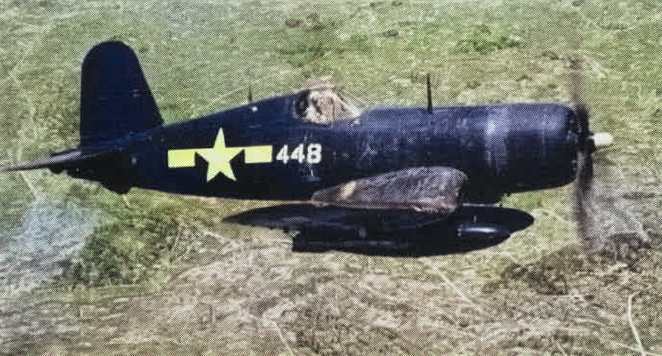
(414, 212)
(388, 232)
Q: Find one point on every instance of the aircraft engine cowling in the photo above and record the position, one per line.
(529, 146)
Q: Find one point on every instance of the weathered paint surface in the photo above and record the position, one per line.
(399, 177)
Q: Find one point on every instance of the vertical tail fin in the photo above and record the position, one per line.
(115, 98)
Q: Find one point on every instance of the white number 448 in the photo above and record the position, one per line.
(311, 153)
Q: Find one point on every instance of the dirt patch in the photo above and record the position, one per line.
(258, 297)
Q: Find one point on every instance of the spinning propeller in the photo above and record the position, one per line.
(587, 143)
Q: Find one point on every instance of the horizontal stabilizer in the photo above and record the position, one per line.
(428, 189)
(57, 162)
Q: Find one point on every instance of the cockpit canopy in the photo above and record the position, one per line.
(323, 103)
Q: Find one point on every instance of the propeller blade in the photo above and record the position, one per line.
(583, 204)
(583, 194)
(580, 106)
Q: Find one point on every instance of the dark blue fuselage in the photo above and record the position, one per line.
(502, 148)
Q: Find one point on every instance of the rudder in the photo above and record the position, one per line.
(115, 98)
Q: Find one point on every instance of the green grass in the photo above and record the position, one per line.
(199, 57)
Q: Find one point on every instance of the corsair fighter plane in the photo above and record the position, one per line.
(403, 181)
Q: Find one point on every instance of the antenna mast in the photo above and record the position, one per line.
(250, 93)
(429, 92)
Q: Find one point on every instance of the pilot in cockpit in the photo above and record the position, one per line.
(325, 104)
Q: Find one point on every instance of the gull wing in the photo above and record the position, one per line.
(388, 232)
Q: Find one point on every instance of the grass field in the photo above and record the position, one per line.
(162, 274)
